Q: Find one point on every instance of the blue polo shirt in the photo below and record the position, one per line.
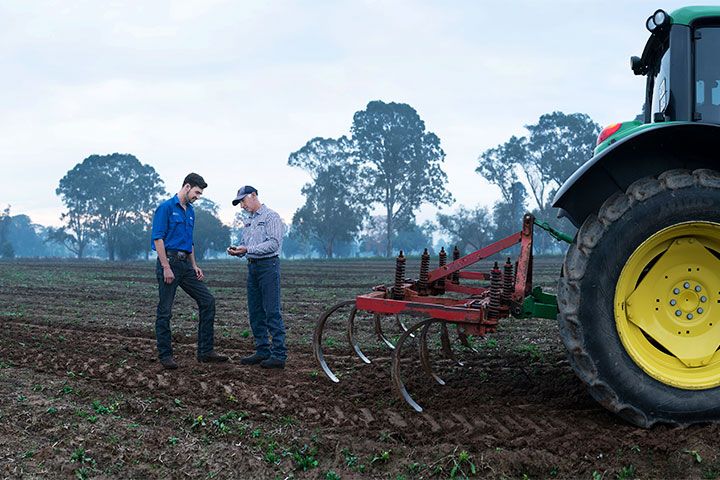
(174, 224)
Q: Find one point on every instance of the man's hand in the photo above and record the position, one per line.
(237, 251)
(198, 273)
(168, 274)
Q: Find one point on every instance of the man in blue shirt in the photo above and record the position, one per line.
(262, 239)
(172, 238)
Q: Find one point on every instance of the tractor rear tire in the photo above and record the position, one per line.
(625, 368)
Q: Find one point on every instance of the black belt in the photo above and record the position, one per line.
(255, 260)
(181, 255)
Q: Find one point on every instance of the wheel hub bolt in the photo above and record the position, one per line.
(678, 313)
(676, 291)
(703, 298)
(686, 284)
(689, 316)
(698, 288)
(700, 310)
(673, 302)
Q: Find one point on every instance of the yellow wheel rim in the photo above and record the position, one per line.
(667, 305)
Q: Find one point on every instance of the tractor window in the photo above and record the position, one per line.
(661, 87)
(707, 74)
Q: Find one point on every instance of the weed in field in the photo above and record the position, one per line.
(51, 410)
(626, 473)
(173, 441)
(331, 475)
(287, 421)
(198, 421)
(256, 433)
(4, 364)
(530, 350)
(87, 464)
(313, 374)
(694, 454)
(66, 390)
(178, 403)
(635, 448)
(352, 461)
(102, 409)
(304, 458)
(38, 388)
(245, 333)
(597, 475)
(330, 342)
(381, 457)
(460, 463)
(490, 343)
(28, 454)
(21, 398)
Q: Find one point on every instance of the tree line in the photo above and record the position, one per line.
(390, 162)
(364, 192)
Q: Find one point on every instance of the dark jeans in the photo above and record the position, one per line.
(184, 278)
(263, 292)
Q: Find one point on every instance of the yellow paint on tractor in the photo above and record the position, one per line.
(667, 305)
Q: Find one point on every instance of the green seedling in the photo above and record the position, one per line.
(331, 475)
(245, 333)
(626, 473)
(694, 454)
(381, 457)
(173, 441)
(304, 458)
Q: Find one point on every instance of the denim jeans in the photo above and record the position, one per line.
(263, 292)
(186, 279)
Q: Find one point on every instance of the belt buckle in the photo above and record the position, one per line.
(182, 255)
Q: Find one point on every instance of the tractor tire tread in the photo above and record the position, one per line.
(574, 267)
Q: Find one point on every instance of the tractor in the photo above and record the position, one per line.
(638, 299)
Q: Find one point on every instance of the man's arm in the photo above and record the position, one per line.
(198, 272)
(168, 274)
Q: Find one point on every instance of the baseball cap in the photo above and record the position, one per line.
(243, 192)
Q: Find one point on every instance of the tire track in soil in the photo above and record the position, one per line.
(361, 404)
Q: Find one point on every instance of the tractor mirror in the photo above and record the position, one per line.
(636, 65)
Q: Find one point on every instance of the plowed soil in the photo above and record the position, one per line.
(82, 394)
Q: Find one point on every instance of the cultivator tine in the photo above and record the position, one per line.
(446, 346)
(424, 355)
(395, 371)
(351, 336)
(317, 338)
(401, 325)
(381, 336)
(465, 341)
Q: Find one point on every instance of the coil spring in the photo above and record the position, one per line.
(442, 262)
(495, 293)
(397, 291)
(424, 270)
(508, 281)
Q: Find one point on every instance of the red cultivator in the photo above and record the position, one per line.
(475, 310)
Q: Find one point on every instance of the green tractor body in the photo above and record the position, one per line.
(639, 298)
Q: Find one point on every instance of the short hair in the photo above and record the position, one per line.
(195, 180)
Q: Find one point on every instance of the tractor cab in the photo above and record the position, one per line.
(681, 62)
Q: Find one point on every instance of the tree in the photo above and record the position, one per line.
(333, 211)
(400, 162)
(294, 244)
(507, 215)
(558, 144)
(469, 229)
(210, 233)
(102, 194)
(6, 248)
(25, 237)
(411, 239)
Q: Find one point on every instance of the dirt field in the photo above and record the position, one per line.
(82, 394)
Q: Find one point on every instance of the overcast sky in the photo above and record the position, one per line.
(230, 88)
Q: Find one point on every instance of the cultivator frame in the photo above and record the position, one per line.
(509, 292)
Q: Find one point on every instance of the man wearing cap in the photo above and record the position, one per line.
(262, 239)
(172, 238)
